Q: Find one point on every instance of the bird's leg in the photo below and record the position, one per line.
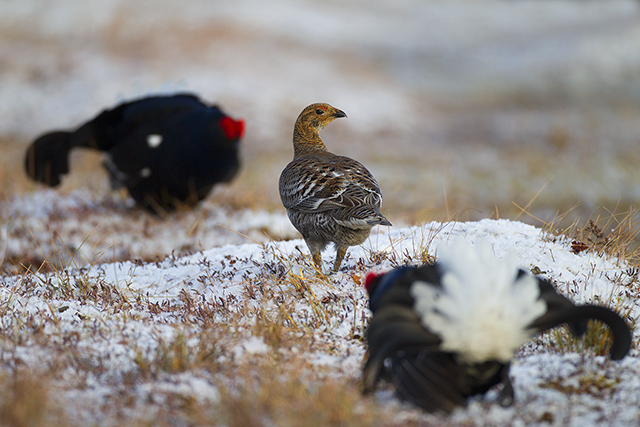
(317, 260)
(340, 252)
(316, 248)
(506, 395)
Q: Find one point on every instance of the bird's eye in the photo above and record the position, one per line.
(319, 111)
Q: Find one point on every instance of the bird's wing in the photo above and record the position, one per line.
(313, 184)
(394, 328)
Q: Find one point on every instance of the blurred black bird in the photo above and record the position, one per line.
(168, 151)
(442, 333)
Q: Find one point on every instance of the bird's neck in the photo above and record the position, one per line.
(306, 143)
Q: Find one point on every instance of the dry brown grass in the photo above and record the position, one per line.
(279, 386)
(24, 399)
(615, 234)
(286, 394)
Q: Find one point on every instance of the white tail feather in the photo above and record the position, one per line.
(482, 310)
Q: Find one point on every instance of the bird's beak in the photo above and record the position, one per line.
(339, 113)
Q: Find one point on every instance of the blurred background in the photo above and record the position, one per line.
(462, 109)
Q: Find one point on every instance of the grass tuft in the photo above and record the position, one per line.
(614, 234)
(598, 383)
(597, 339)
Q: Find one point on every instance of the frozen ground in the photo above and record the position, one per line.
(42, 225)
(186, 301)
(461, 109)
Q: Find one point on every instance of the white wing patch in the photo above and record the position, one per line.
(154, 140)
(482, 311)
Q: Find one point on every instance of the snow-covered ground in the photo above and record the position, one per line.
(153, 305)
(42, 225)
(461, 109)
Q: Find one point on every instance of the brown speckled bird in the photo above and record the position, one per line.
(329, 198)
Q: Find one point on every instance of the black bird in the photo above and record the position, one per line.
(168, 151)
(444, 332)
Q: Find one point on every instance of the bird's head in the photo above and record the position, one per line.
(309, 123)
(369, 281)
(317, 116)
(378, 284)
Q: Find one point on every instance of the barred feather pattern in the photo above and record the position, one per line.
(329, 198)
(338, 185)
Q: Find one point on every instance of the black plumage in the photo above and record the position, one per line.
(169, 151)
(431, 364)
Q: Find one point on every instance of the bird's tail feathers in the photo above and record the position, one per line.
(47, 159)
(481, 307)
(381, 220)
(619, 328)
(376, 218)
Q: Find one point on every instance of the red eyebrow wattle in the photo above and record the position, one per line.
(371, 276)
